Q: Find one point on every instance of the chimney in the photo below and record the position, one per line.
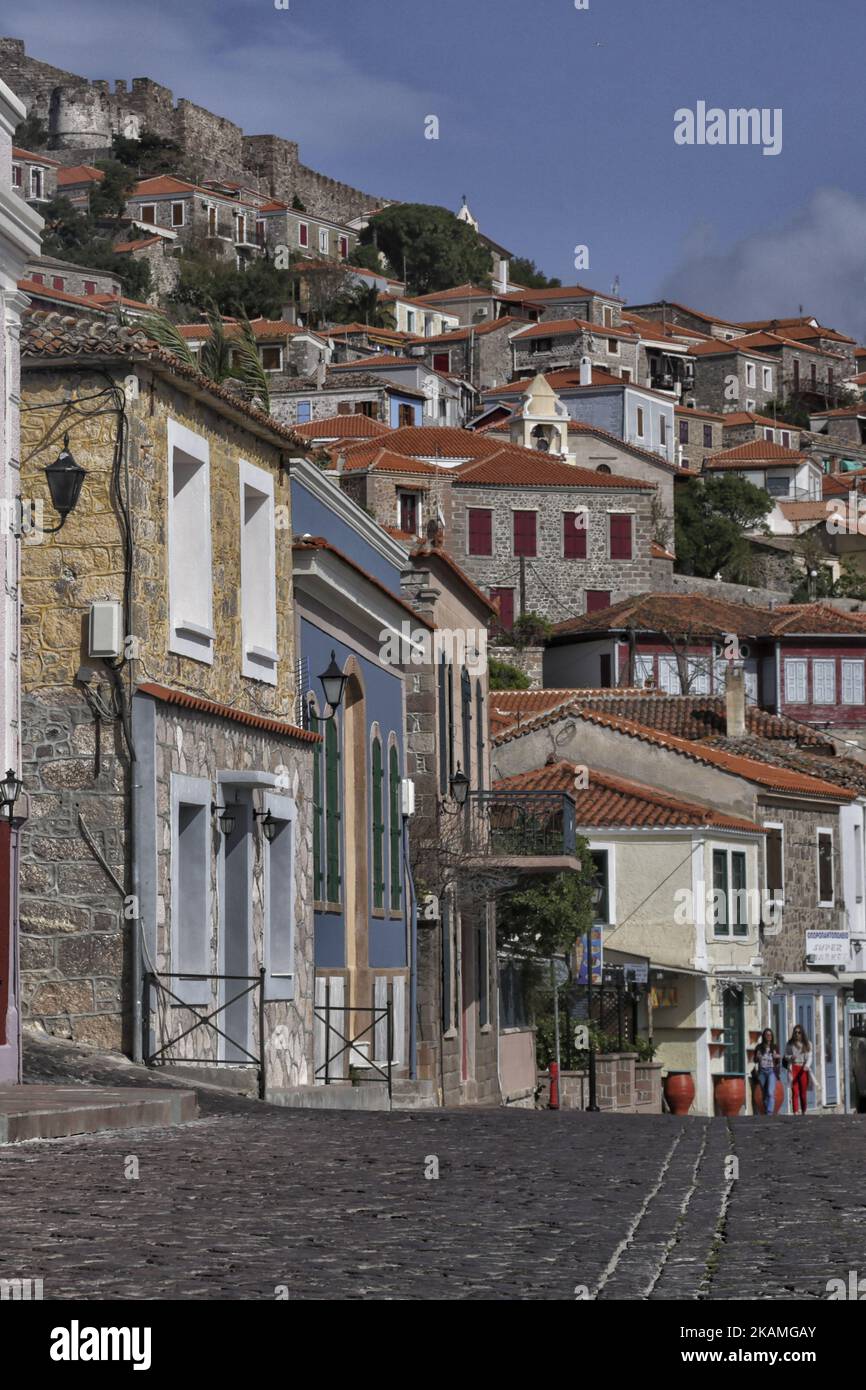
(585, 371)
(289, 313)
(321, 373)
(735, 700)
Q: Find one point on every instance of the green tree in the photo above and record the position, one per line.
(207, 280)
(368, 258)
(524, 271)
(71, 235)
(712, 515)
(108, 197)
(362, 305)
(152, 154)
(437, 249)
(545, 915)
(31, 133)
(503, 676)
(297, 204)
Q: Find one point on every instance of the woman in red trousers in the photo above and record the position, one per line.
(798, 1060)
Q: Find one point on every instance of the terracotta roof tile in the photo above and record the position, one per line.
(343, 427)
(18, 153)
(552, 328)
(48, 336)
(763, 774)
(511, 466)
(170, 696)
(764, 453)
(614, 801)
(75, 174)
(700, 615)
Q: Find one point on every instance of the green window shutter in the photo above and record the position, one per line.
(739, 909)
(318, 812)
(720, 892)
(378, 826)
(479, 734)
(395, 829)
(466, 713)
(333, 812)
(443, 727)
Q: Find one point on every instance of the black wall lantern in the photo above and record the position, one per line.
(227, 816)
(458, 784)
(10, 790)
(333, 683)
(269, 825)
(65, 478)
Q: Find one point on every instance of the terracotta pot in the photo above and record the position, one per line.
(729, 1093)
(679, 1089)
(758, 1097)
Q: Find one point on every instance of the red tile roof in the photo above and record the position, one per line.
(551, 328)
(75, 174)
(699, 615)
(169, 696)
(383, 460)
(726, 347)
(748, 417)
(692, 717)
(165, 183)
(33, 287)
(613, 801)
(121, 248)
(343, 427)
(554, 292)
(762, 453)
(511, 466)
(457, 335)
(18, 153)
(749, 769)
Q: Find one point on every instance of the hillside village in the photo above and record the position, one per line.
(385, 606)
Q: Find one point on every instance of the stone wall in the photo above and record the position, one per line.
(76, 937)
(732, 593)
(624, 1085)
(529, 660)
(714, 389)
(555, 587)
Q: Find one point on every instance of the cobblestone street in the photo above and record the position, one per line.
(527, 1205)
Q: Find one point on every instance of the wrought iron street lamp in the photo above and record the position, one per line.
(227, 817)
(333, 682)
(65, 478)
(10, 790)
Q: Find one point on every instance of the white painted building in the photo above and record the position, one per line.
(20, 228)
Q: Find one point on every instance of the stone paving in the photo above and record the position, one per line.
(255, 1202)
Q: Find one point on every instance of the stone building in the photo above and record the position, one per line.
(726, 992)
(554, 344)
(34, 176)
(480, 354)
(699, 434)
(734, 376)
(448, 734)
(20, 228)
(171, 833)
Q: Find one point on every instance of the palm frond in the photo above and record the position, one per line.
(165, 334)
(246, 366)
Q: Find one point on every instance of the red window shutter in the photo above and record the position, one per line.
(58, 282)
(409, 513)
(596, 599)
(505, 599)
(480, 531)
(524, 534)
(90, 287)
(574, 535)
(442, 361)
(620, 536)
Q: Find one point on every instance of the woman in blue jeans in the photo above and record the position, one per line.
(767, 1060)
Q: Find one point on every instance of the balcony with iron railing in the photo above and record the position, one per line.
(529, 830)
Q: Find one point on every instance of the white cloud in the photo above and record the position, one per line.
(817, 258)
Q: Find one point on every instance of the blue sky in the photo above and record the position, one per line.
(557, 122)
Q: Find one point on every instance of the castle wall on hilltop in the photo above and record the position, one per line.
(82, 116)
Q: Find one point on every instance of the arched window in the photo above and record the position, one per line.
(333, 812)
(395, 828)
(318, 806)
(602, 468)
(378, 823)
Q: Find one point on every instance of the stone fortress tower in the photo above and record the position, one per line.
(82, 116)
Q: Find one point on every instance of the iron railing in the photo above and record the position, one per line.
(384, 1013)
(154, 979)
(520, 824)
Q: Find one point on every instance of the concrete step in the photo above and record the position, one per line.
(56, 1112)
(240, 1079)
(363, 1095)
